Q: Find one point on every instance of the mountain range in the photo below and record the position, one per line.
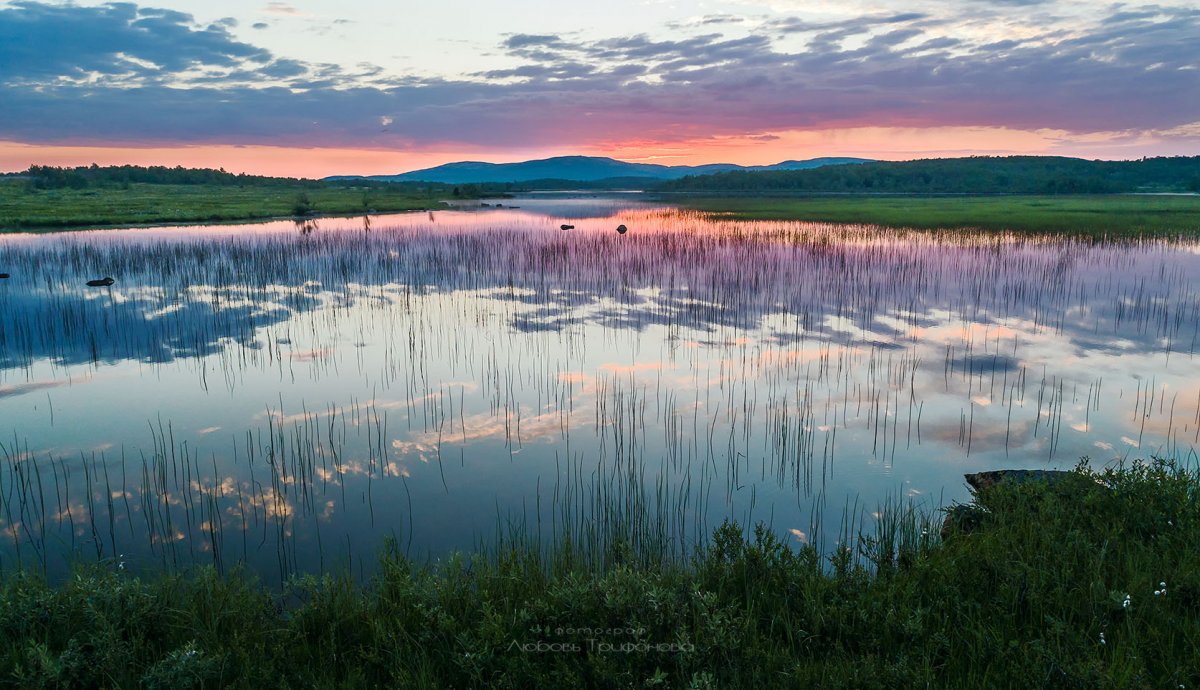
(580, 169)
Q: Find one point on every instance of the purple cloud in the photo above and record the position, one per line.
(1132, 71)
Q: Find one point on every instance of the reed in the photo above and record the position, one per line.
(1088, 583)
(307, 391)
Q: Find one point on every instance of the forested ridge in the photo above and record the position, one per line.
(974, 175)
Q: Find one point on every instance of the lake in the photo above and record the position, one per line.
(294, 395)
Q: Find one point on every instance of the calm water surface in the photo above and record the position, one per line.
(292, 395)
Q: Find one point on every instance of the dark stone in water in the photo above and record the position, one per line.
(964, 518)
(566, 227)
(3, 276)
(984, 480)
(622, 229)
(103, 282)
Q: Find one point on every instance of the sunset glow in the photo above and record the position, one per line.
(317, 88)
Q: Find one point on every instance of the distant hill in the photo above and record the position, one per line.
(580, 169)
(974, 175)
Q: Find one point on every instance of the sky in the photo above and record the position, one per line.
(315, 87)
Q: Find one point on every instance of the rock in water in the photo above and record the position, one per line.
(964, 518)
(622, 229)
(3, 276)
(566, 227)
(103, 282)
(984, 480)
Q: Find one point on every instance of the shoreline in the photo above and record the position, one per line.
(1108, 215)
(119, 225)
(1115, 215)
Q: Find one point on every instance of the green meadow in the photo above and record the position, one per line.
(22, 207)
(1098, 215)
(1088, 583)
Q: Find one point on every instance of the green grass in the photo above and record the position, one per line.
(22, 208)
(1020, 601)
(1120, 215)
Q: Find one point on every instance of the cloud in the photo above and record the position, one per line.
(846, 26)
(15, 389)
(518, 42)
(123, 74)
(282, 8)
(42, 43)
(708, 20)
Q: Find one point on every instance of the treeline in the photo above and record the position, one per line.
(39, 177)
(51, 177)
(974, 175)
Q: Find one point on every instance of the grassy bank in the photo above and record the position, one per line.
(1119, 215)
(1057, 586)
(22, 207)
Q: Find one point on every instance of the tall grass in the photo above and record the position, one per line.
(1099, 216)
(788, 362)
(1091, 583)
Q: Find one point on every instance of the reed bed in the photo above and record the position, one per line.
(470, 381)
(1088, 583)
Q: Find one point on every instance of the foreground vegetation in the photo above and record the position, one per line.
(1097, 215)
(1093, 582)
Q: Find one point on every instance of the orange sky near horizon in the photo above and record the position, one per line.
(866, 142)
(313, 88)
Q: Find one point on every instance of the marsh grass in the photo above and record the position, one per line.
(625, 453)
(137, 204)
(1089, 216)
(1020, 601)
(1033, 597)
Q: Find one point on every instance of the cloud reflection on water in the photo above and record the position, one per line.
(458, 368)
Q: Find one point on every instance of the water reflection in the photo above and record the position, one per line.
(290, 399)
(306, 226)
